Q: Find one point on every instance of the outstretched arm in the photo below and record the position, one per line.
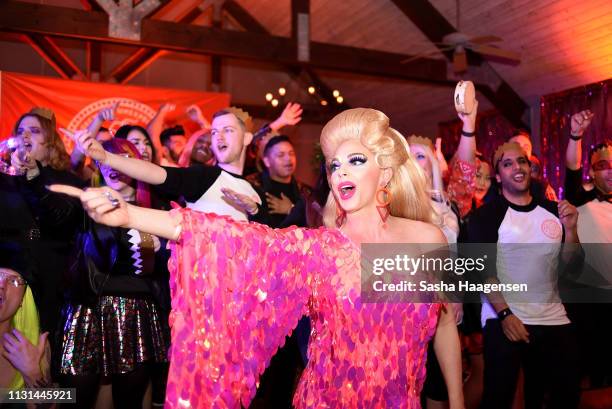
(135, 168)
(106, 206)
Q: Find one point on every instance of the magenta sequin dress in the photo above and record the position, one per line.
(238, 289)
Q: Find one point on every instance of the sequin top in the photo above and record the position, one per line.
(462, 185)
(238, 289)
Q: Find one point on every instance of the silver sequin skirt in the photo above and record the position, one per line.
(112, 337)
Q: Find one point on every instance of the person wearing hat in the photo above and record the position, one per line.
(595, 231)
(529, 329)
(24, 358)
(37, 219)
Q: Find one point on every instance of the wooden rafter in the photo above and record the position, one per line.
(142, 58)
(311, 113)
(73, 23)
(251, 24)
(433, 24)
(54, 56)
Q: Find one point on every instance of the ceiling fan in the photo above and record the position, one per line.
(459, 42)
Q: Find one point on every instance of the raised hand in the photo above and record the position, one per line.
(23, 355)
(195, 114)
(241, 201)
(279, 206)
(103, 204)
(166, 108)
(86, 142)
(469, 120)
(108, 114)
(291, 115)
(581, 121)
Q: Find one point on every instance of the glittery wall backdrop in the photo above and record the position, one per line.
(492, 129)
(556, 111)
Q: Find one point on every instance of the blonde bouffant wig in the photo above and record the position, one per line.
(408, 184)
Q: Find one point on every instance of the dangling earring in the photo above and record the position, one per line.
(340, 216)
(383, 205)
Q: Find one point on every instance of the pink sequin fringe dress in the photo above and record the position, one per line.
(238, 289)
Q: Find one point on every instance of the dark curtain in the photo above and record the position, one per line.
(492, 129)
(556, 111)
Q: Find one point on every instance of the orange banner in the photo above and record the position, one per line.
(75, 103)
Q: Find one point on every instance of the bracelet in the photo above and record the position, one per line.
(503, 314)
(468, 134)
(575, 137)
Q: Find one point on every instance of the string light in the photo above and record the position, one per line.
(339, 99)
(282, 91)
(269, 97)
(311, 90)
(336, 93)
(323, 102)
(274, 102)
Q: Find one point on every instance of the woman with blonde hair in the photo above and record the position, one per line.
(239, 288)
(25, 357)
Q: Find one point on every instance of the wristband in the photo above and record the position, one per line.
(468, 134)
(575, 137)
(503, 314)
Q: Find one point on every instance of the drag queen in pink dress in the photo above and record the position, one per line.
(239, 288)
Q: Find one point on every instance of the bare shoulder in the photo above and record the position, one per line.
(414, 231)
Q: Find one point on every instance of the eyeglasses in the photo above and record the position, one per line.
(12, 279)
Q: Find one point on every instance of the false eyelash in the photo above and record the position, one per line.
(358, 157)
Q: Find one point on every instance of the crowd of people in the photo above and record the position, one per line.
(196, 270)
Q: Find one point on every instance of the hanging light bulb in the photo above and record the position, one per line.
(323, 102)
(282, 91)
(269, 97)
(336, 93)
(274, 102)
(339, 99)
(311, 90)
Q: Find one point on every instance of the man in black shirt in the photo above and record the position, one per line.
(220, 189)
(279, 185)
(595, 231)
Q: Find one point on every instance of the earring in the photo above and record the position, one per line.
(383, 205)
(340, 216)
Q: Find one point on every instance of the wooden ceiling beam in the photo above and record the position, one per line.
(54, 56)
(142, 58)
(311, 113)
(435, 26)
(74, 23)
(251, 24)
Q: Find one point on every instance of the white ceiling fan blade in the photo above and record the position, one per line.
(491, 51)
(423, 55)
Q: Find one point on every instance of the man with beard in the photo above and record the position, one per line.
(219, 189)
(281, 188)
(173, 142)
(595, 232)
(530, 329)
